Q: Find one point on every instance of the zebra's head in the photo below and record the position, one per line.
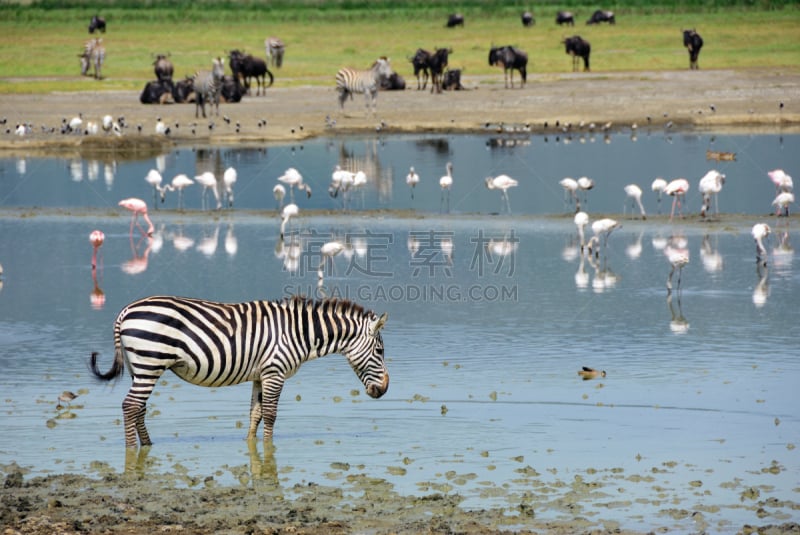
(365, 355)
(382, 67)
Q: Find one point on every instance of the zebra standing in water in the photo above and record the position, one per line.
(219, 344)
(94, 54)
(207, 86)
(349, 81)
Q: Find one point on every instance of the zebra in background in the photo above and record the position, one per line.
(207, 86)
(93, 56)
(349, 81)
(220, 344)
(274, 48)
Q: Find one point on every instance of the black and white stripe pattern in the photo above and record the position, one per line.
(207, 86)
(218, 344)
(93, 56)
(349, 81)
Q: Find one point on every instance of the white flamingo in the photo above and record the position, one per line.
(208, 181)
(289, 211)
(782, 181)
(585, 184)
(782, 202)
(229, 178)
(635, 193)
(710, 184)
(570, 186)
(154, 178)
(760, 232)
(658, 186)
(412, 179)
(279, 192)
(446, 183)
(581, 220)
(294, 179)
(179, 182)
(503, 183)
(602, 227)
(677, 189)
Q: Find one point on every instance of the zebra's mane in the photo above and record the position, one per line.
(339, 305)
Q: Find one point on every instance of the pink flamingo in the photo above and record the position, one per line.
(96, 238)
(677, 189)
(782, 181)
(137, 206)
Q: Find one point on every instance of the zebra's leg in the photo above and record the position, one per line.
(271, 387)
(255, 410)
(342, 97)
(133, 412)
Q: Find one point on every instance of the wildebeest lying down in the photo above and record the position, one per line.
(451, 80)
(393, 82)
(693, 43)
(157, 92)
(510, 58)
(602, 16)
(578, 47)
(455, 19)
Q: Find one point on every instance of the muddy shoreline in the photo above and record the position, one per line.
(724, 101)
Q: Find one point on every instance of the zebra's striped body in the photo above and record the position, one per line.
(274, 48)
(94, 54)
(349, 81)
(207, 86)
(218, 344)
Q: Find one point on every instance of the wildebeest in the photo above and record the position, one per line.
(163, 68)
(420, 63)
(97, 23)
(565, 17)
(693, 43)
(157, 92)
(451, 80)
(437, 63)
(510, 58)
(246, 66)
(527, 19)
(393, 82)
(578, 47)
(602, 16)
(231, 90)
(183, 91)
(455, 19)
(274, 47)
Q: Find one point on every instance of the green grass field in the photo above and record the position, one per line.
(41, 42)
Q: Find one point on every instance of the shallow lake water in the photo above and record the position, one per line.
(490, 319)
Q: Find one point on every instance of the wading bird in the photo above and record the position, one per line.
(760, 232)
(710, 184)
(782, 202)
(503, 183)
(570, 186)
(634, 192)
(179, 182)
(229, 178)
(677, 189)
(587, 373)
(289, 211)
(154, 178)
(137, 206)
(96, 238)
(782, 181)
(658, 186)
(294, 179)
(412, 179)
(678, 256)
(602, 227)
(446, 182)
(581, 220)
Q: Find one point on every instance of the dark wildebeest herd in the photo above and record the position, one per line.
(426, 64)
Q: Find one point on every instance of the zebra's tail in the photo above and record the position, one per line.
(119, 359)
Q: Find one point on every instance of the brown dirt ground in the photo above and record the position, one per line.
(743, 100)
(747, 100)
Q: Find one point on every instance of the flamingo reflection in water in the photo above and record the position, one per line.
(328, 251)
(677, 254)
(138, 264)
(231, 243)
(761, 289)
(678, 323)
(710, 255)
(97, 298)
(208, 244)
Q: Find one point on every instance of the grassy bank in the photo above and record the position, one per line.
(41, 42)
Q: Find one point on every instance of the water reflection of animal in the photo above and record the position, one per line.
(678, 256)
(137, 264)
(270, 341)
(137, 206)
(761, 289)
(678, 323)
(96, 238)
(760, 231)
(279, 192)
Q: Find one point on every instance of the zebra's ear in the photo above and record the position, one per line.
(376, 324)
